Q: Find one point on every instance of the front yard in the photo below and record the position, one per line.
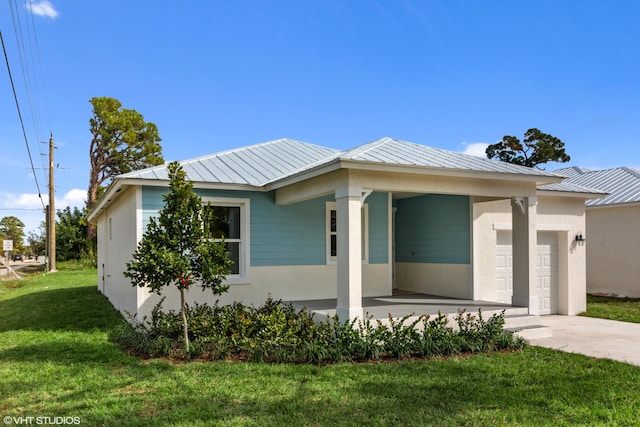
(56, 361)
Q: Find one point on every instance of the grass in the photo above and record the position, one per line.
(56, 360)
(623, 309)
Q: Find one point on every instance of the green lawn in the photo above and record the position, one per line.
(56, 360)
(624, 309)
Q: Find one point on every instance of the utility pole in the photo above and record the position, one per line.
(51, 213)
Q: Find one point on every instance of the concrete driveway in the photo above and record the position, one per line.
(600, 338)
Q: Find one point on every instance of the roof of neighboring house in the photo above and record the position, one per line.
(572, 171)
(622, 184)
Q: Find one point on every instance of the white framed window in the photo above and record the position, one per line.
(231, 222)
(331, 216)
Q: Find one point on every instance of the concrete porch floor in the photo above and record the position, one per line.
(403, 304)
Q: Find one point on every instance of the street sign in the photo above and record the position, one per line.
(7, 245)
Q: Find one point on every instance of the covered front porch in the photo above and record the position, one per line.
(402, 304)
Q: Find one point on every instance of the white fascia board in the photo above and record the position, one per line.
(460, 173)
(414, 169)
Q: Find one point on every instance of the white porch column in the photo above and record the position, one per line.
(525, 243)
(349, 252)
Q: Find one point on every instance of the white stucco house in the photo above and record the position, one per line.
(612, 229)
(308, 222)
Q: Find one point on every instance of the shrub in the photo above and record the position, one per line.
(275, 332)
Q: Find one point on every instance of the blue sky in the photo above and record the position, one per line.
(214, 75)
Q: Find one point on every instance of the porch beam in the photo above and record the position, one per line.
(525, 243)
(349, 252)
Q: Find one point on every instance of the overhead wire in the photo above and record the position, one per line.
(24, 133)
(26, 71)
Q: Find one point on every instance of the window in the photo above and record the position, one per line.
(231, 222)
(332, 233)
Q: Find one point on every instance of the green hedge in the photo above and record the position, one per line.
(276, 332)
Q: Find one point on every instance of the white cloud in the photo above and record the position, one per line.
(28, 207)
(475, 148)
(74, 197)
(42, 8)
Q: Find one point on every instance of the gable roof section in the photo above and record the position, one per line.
(622, 184)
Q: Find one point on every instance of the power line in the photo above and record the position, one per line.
(24, 133)
(24, 61)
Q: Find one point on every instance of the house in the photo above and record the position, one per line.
(308, 222)
(612, 229)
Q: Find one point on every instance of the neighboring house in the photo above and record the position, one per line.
(308, 222)
(613, 229)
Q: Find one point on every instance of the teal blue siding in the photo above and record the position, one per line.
(433, 229)
(292, 234)
(378, 228)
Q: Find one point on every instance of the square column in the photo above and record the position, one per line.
(349, 252)
(525, 248)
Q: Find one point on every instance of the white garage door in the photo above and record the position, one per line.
(547, 270)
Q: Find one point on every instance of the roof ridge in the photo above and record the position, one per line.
(372, 144)
(632, 171)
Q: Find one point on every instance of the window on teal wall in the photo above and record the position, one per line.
(332, 232)
(231, 223)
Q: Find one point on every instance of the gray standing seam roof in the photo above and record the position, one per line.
(622, 184)
(395, 151)
(268, 162)
(254, 165)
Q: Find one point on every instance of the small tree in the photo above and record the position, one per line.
(176, 248)
(11, 228)
(37, 240)
(538, 148)
(71, 234)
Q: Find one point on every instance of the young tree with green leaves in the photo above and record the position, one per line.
(122, 141)
(71, 234)
(536, 149)
(178, 249)
(11, 228)
(37, 240)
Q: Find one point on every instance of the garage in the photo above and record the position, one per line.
(547, 270)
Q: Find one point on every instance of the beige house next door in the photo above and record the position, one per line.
(547, 270)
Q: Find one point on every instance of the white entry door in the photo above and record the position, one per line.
(546, 270)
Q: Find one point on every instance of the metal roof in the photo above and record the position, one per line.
(572, 171)
(568, 187)
(622, 184)
(261, 164)
(394, 151)
(254, 165)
